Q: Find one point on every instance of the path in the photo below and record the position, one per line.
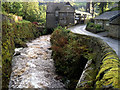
(111, 42)
(34, 68)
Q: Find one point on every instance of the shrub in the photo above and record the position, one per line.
(68, 54)
(95, 28)
(36, 23)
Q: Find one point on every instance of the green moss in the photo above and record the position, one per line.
(108, 74)
(109, 53)
(90, 56)
(110, 56)
(109, 78)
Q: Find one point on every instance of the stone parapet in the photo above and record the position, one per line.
(103, 70)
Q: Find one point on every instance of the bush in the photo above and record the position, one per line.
(69, 55)
(95, 28)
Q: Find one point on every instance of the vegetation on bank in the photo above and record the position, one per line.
(15, 35)
(17, 29)
(95, 28)
(30, 11)
(70, 56)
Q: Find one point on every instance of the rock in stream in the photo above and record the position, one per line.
(32, 67)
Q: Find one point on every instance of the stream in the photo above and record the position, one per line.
(32, 67)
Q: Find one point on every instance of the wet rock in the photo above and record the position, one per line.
(17, 51)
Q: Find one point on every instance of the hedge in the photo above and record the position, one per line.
(95, 28)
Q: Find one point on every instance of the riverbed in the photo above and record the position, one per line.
(33, 67)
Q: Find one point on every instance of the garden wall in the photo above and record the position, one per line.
(102, 70)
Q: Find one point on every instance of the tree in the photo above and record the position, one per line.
(28, 10)
(102, 7)
(88, 7)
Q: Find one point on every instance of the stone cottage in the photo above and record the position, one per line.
(59, 14)
(105, 19)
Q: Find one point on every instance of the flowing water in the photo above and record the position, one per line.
(32, 67)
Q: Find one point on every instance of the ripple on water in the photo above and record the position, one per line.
(34, 68)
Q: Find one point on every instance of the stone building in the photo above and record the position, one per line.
(105, 19)
(59, 14)
(114, 29)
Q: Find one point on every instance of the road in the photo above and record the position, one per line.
(115, 44)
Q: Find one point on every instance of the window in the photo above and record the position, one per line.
(107, 23)
(56, 13)
(100, 22)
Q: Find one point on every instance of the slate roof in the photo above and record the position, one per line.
(115, 21)
(51, 7)
(108, 15)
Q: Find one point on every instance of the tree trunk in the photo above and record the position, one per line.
(88, 7)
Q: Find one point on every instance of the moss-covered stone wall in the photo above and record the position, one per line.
(14, 35)
(102, 71)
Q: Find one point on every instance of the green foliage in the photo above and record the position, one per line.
(79, 6)
(28, 10)
(23, 21)
(7, 52)
(69, 55)
(43, 13)
(102, 7)
(109, 72)
(95, 28)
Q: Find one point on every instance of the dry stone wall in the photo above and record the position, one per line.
(103, 70)
(114, 31)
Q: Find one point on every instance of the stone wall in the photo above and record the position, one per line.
(64, 19)
(99, 22)
(102, 70)
(103, 23)
(106, 25)
(114, 31)
(50, 20)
